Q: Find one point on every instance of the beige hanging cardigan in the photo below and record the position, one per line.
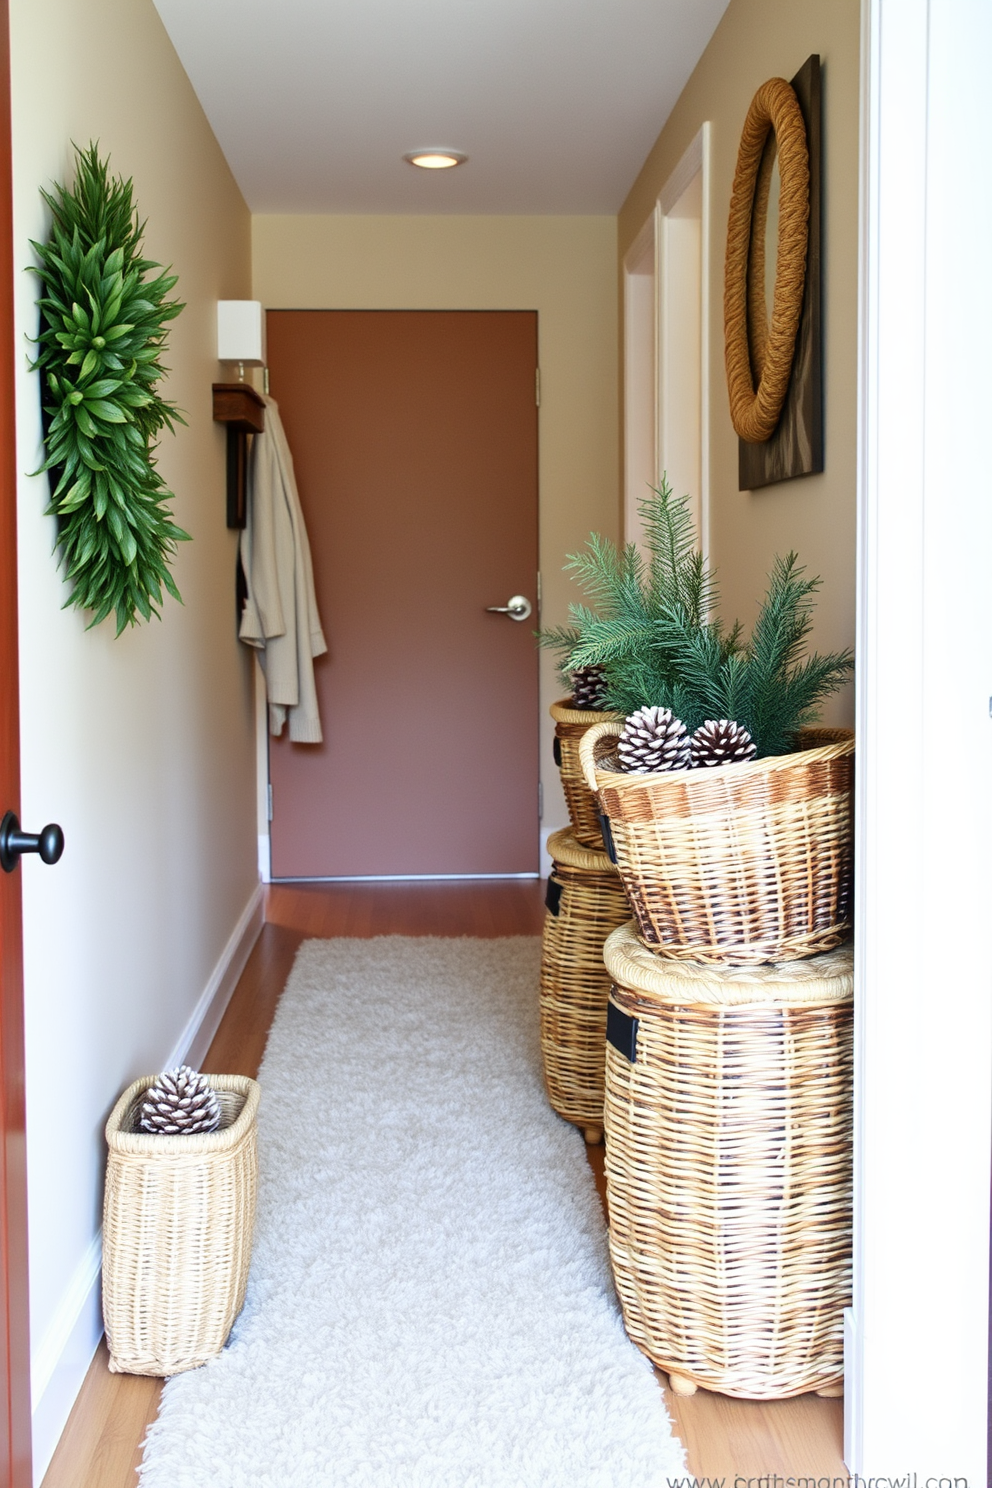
(280, 616)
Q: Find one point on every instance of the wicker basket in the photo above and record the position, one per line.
(728, 1167)
(585, 902)
(583, 808)
(177, 1227)
(738, 866)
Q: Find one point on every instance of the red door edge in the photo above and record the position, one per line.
(15, 1389)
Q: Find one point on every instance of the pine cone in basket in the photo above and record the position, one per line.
(653, 739)
(719, 741)
(180, 1102)
(588, 687)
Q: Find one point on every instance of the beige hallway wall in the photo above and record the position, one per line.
(562, 267)
(756, 40)
(142, 747)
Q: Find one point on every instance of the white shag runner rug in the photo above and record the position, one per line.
(430, 1303)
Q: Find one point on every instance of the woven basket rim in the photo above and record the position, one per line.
(564, 847)
(828, 978)
(771, 764)
(198, 1143)
(562, 712)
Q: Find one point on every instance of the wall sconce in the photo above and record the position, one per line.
(241, 339)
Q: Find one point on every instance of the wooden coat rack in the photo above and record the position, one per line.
(237, 405)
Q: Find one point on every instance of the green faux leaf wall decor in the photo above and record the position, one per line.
(100, 343)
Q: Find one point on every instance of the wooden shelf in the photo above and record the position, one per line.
(239, 406)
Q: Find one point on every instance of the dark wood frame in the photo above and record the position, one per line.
(15, 1371)
(783, 456)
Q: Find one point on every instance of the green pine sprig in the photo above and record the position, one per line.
(100, 344)
(653, 631)
(631, 594)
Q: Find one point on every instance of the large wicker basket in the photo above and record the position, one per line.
(570, 724)
(736, 866)
(177, 1228)
(585, 902)
(728, 1167)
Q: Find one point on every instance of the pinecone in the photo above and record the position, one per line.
(588, 687)
(718, 741)
(653, 739)
(180, 1101)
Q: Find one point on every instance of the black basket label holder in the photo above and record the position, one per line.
(552, 898)
(607, 831)
(621, 1031)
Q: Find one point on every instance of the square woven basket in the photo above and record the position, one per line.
(178, 1217)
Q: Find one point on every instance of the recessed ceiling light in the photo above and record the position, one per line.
(434, 159)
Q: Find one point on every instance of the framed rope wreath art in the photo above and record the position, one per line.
(774, 375)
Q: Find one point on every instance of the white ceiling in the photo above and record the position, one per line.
(556, 102)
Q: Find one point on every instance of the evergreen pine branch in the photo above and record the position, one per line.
(559, 637)
(563, 639)
(774, 713)
(733, 687)
(607, 642)
(677, 571)
(785, 619)
(649, 627)
(645, 675)
(668, 537)
(611, 577)
(782, 689)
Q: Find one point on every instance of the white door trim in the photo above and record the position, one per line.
(640, 373)
(918, 1332)
(671, 296)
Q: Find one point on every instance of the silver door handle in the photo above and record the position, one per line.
(518, 608)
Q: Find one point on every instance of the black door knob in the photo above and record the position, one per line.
(48, 843)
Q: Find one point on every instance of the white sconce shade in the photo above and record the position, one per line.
(241, 332)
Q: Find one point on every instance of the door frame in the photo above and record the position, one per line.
(923, 1103)
(15, 1351)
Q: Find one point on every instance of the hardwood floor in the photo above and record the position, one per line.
(480, 907)
(101, 1444)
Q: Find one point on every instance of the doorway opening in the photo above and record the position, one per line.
(666, 346)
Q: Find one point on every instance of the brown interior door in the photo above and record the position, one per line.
(414, 437)
(15, 1402)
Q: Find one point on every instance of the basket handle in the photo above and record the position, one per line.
(587, 748)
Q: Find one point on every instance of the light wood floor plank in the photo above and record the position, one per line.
(724, 1437)
(101, 1444)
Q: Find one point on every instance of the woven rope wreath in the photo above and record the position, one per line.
(755, 411)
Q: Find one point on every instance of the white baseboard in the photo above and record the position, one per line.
(63, 1355)
(198, 1035)
(852, 1393)
(545, 855)
(59, 1364)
